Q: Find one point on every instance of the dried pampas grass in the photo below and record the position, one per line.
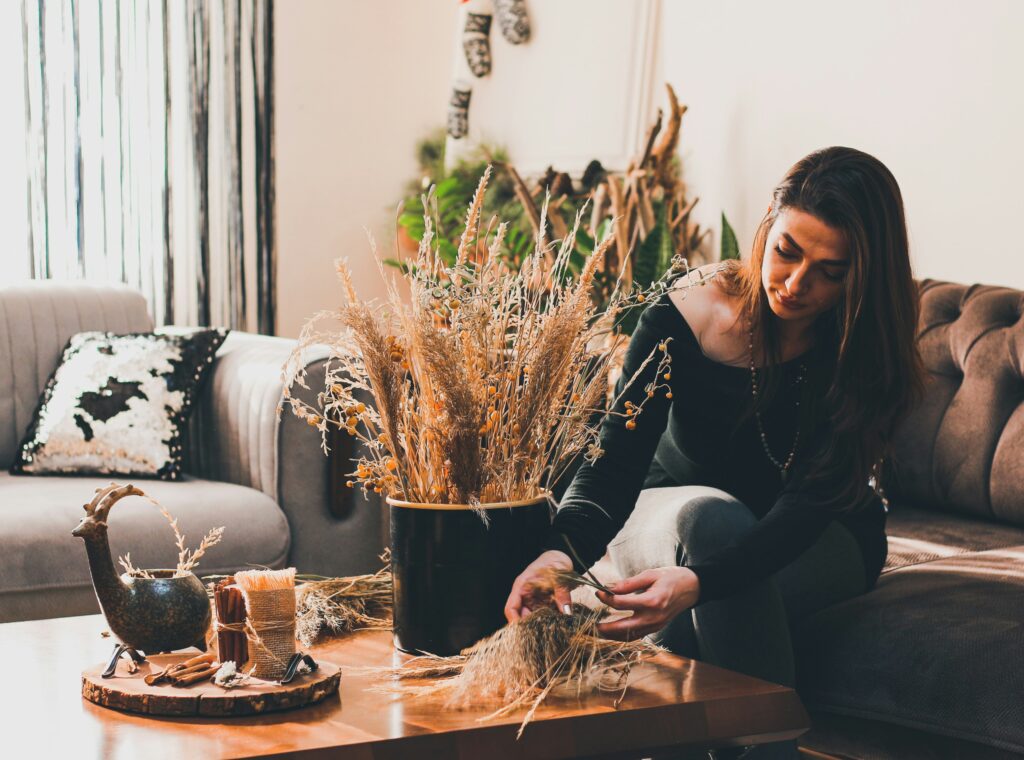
(335, 606)
(520, 665)
(487, 385)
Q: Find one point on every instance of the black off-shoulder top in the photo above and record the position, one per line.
(692, 439)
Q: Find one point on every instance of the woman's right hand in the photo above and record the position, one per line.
(534, 587)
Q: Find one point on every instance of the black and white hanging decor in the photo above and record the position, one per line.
(475, 21)
(458, 110)
(512, 18)
(118, 405)
(476, 43)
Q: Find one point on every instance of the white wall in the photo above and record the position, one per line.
(357, 84)
(579, 89)
(933, 88)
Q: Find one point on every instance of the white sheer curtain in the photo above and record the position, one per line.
(14, 252)
(148, 131)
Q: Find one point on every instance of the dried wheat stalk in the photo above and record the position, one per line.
(187, 558)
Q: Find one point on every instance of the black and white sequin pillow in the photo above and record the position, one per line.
(117, 404)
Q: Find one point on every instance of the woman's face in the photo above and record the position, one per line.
(805, 264)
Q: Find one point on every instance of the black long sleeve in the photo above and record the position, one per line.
(698, 423)
(604, 492)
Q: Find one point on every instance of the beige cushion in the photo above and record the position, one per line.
(37, 515)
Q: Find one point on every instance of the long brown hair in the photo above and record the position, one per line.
(872, 369)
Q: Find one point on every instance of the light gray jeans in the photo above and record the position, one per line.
(750, 631)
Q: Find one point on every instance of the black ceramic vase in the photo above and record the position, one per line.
(452, 574)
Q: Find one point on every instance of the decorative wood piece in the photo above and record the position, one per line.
(131, 693)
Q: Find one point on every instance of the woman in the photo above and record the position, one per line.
(747, 503)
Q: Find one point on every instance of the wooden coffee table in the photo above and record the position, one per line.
(672, 701)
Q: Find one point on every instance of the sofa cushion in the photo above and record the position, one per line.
(935, 645)
(117, 404)
(40, 554)
(920, 535)
(962, 450)
(36, 320)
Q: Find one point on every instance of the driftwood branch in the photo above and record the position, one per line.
(523, 194)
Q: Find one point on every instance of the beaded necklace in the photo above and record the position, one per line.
(784, 467)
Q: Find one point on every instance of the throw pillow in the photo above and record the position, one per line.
(117, 404)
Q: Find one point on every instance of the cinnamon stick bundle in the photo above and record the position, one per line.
(231, 644)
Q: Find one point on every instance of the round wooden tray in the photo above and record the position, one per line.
(131, 693)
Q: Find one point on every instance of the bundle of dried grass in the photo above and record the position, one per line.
(335, 606)
(489, 383)
(520, 665)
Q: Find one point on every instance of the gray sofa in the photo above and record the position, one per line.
(930, 663)
(266, 480)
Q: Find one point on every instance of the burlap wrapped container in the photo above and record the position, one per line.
(271, 629)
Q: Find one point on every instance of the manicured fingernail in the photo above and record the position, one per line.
(567, 609)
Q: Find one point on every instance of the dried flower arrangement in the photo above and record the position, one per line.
(486, 386)
(333, 606)
(187, 558)
(524, 662)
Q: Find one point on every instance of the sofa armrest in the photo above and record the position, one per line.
(237, 436)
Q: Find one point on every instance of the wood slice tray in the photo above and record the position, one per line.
(130, 692)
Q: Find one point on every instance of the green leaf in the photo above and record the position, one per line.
(666, 249)
(446, 186)
(648, 254)
(449, 251)
(730, 246)
(577, 260)
(404, 266)
(584, 243)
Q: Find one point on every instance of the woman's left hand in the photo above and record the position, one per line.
(655, 596)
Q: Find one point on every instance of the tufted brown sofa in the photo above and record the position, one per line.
(930, 663)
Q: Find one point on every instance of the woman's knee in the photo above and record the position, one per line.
(710, 520)
(673, 523)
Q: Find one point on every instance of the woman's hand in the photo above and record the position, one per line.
(535, 588)
(655, 596)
